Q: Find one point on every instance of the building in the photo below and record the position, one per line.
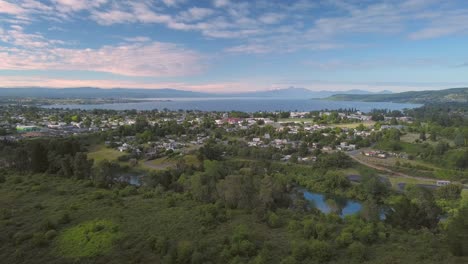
(443, 183)
(24, 129)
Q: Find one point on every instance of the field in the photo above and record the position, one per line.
(412, 137)
(101, 152)
(354, 125)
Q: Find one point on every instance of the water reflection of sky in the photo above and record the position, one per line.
(328, 204)
(244, 104)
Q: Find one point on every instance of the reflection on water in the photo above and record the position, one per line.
(243, 104)
(332, 204)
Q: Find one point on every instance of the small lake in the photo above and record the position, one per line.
(134, 180)
(332, 204)
(241, 104)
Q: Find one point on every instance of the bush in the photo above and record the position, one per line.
(357, 251)
(184, 252)
(149, 195)
(39, 240)
(300, 250)
(88, 239)
(20, 237)
(273, 220)
(128, 191)
(48, 225)
(64, 219)
(320, 250)
(160, 245)
(51, 234)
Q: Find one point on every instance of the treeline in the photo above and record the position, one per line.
(61, 157)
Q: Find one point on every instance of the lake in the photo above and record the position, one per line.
(241, 104)
(332, 204)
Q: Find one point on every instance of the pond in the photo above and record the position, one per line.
(332, 204)
(134, 180)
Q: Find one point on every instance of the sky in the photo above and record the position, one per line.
(232, 46)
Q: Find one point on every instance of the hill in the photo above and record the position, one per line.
(92, 92)
(453, 95)
(295, 92)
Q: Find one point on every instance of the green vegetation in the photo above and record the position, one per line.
(88, 239)
(47, 219)
(455, 95)
(101, 152)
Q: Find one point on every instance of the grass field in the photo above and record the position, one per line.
(305, 120)
(395, 180)
(354, 125)
(101, 152)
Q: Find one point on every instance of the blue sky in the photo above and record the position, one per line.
(227, 45)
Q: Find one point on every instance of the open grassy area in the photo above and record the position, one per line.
(305, 120)
(354, 125)
(159, 164)
(412, 137)
(101, 152)
(395, 180)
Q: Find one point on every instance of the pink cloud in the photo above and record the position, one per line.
(153, 59)
(222, 87)
(77, 5)
(10, 8)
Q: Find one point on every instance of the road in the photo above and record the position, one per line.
(353, 155)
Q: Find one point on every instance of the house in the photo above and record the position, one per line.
(233, 121)
(21, 129)
(443, 183)
(382, 155)
(124, 147)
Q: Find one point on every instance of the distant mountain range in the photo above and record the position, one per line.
(91, 92)
(453, 95)
(293, 92)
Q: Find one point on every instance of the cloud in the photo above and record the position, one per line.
(17, 37)
(223, 87)
(77, 5)
(453, 22)
(10, 8)
(257, 26)
(173, 3)
(44, 81)
(221, 3)
(138, 39)
(112, 17)
(195, 14)
(271, 18)
(138, 58)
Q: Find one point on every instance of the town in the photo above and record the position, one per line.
(275, 163)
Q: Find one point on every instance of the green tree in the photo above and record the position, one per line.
(39, 161)
(457, 232)
(459, 140)
(105, 173)
(422, 136)
(82, 166)
(450, 192)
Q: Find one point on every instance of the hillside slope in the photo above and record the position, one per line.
(454, 95)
